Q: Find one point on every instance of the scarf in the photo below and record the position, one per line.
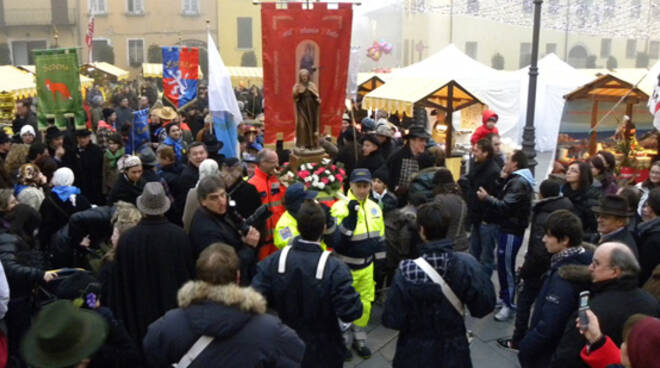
(64, 192)
(565, 254)
(178, 147)
(19, 188)
(113, 157)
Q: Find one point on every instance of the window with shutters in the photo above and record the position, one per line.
(135, 7)
(98, 7)
(191, 7)
(135, 51)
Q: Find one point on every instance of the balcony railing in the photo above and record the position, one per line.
(39, 17)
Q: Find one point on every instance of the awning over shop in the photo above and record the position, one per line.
(645, 78)
(85, 82)
(107, 68)
(154, 70)
(17, 81)
(611, 88)
(246, 74)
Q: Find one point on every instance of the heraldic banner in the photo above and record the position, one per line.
(180, 69)
(58, 88)
(316, 39)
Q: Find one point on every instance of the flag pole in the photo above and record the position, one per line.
(208, 32)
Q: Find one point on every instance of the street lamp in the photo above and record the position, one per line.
(528, 133)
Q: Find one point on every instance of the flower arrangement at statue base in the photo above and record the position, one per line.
(324, 177)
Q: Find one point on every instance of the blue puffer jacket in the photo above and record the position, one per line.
(308, 305)
(431, 331)
(556, 301)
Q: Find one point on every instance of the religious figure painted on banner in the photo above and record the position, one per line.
(308, 56)
(307, 105)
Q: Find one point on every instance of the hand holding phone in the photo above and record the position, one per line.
(582, 311)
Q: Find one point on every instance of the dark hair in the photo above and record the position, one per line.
(311, 221)
(653, 200)
(170, 126)
(116, 138)
(491, 135)
(208, 185)
(196, 144)
(520, 158)
(647, 183)
(435, 218)
(217, 264)
(586, 179)
(35, 150)
(486, 145)
(564, 224)
(610, 160)
(632, 195)
(443, 182)
(549, 188)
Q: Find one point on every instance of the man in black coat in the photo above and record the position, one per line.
(187, 180)
(483, 174)
(431, 327)
(311, 290)
(244, 195)
(615, 297)
(612, 216)
(152, 261)
(86, 161)
(512, 207)
(403, 164)
(537, 258)
(235, 317)
(648, 236)
(214, 223)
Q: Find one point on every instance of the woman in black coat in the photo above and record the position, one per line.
(62, 201)
(371, 156)
(583, 195)
(130, 183)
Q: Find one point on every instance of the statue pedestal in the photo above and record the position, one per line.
(298, 158)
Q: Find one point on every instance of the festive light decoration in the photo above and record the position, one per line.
(633, 19)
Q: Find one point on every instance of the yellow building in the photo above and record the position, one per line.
(239, 32)
(132, 26)
(37, 24)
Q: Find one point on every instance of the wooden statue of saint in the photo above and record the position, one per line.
(307, 104)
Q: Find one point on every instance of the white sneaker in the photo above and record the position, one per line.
(504, 314)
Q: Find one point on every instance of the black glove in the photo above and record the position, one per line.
(349, 222)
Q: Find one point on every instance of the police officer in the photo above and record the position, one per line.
(362, 229)
(287, 226)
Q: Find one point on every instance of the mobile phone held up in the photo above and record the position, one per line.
(582, 311)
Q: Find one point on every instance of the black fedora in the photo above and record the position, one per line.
(613, 205)
(417, 132)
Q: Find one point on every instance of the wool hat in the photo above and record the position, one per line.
(360, 175)
(385, 131)
(208, 167)
(148, 157)
(613, 205)
(27, 129)
(153, 200)
(371, 138)
(368, 124)
(643, 341)
(127, 161)
(63, 335)
(382, 174)
(53, 133)
(63, 177)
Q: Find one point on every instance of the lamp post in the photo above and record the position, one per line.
(528, 133)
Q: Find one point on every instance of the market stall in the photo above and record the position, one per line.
(367, 82)
(18, 82)
(155, 71)
(246, 75)
(402, 95)
(85, 81)
(103, 70)
(613, 89)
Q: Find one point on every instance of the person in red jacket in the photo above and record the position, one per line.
(271, 192)
(489, 119)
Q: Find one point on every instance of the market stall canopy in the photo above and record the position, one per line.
(401, 94)
(610, 88)
(155, 70)
(85, 82)
(647, 79)
(367, 82)
(247, 74)
(17, 81)
(107, 68)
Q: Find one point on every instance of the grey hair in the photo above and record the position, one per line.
(208, 185)
(622, 258)
(263, 154)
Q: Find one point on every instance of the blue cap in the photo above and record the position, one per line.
(296, 192)
(360, 175)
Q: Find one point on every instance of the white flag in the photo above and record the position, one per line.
(222, 102)
(654, 104)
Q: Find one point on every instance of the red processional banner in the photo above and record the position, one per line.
(316, 39)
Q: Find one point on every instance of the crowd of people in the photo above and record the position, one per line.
(174, 254)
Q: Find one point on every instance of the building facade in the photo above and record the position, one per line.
(239, 32)
(36, 24)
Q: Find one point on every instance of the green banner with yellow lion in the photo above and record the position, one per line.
(58, 88)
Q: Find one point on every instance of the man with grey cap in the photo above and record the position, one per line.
(153, 259)
(385, 135)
